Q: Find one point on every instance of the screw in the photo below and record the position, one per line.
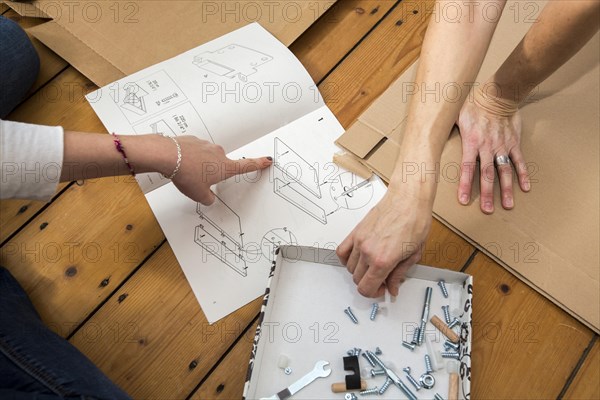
(357, 351)
(415, 338)
(378, 351)
(385, 386)
(287, 371)
(442, 285)
(410, 346)
(428, 366)
(411, 379)
(376, 372)
(448, 345)
(425, 315)
(368, 358)
(455, 322)
(446, 310)
(350, 352)
(374, 390)
(450, 354)
(437, 397)
(374, 310)
(351, 315)
(351, 396)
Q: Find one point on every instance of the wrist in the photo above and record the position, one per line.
(151, 153)
(495, 99)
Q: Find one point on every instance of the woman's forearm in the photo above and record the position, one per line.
(452, 54)
(561, 30)
(94, 155)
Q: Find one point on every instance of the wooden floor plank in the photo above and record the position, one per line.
(524, 346)
(228, 379)
(3, 8)
(50, 63)
(78, 250)
(381, 57)
(152, 339)
(586, 384)
(322, 46)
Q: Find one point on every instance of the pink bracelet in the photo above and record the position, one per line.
(121, 150)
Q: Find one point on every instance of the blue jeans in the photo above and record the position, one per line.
(19, 65)
(36, 363)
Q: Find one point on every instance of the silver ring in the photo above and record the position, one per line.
(502, 160)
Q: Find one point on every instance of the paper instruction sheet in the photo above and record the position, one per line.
(248, 93)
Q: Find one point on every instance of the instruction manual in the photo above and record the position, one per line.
(248, 93)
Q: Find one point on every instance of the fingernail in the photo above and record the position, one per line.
(509, 202)
(464, 199)
(488, 206)
(270, 158)
(527, 185)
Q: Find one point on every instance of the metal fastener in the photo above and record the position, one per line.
(288, 371)
(368, 358)
(448, 345)
(455, 322)
(442, 285)
(410, 346)
(374, 310)
(357, 351)
(385, 385)
(450, 354)
(425, 315)
(415, 338)
(437, 397)
(392, 375)
(374, 390)
(411, 379)
(427, 381)
(428, 366)
(377, 372)
(378, 351)
(350, 352)
(351, 315)
(350, 396)
(446, 310)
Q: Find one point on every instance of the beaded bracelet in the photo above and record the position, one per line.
(178, 165)
(121, 150)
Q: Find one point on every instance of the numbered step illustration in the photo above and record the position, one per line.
(179, 120)
(144, 98)
(231, 61)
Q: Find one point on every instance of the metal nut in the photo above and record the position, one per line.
(288, 371)
(427, 381)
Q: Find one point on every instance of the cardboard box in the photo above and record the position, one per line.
(550, 239)
(107, 40)
(303, 318)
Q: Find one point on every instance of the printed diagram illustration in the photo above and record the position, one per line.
(182, 119)
(220, 234)
(231, 61)
(275, 238)
(297, 181)
(350, 191)
(146, 97)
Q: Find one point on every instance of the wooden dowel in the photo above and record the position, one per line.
(445, 329)
(340, 387)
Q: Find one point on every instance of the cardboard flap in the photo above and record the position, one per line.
(27, 9)
(360, 139)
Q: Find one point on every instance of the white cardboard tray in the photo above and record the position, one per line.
(303, 319)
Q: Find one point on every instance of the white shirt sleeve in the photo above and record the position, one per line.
(31, 158)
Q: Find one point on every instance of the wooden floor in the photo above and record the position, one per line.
(98, 268)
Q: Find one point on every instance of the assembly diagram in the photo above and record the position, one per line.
(275, 238)
(220, 234)
(232, 61)
(146, 97)
(297, 182)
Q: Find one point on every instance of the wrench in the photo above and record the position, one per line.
(318, 371)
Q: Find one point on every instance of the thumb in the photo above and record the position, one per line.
(246, 165)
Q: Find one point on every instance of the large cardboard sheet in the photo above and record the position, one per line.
(107, 40)
(551, 238)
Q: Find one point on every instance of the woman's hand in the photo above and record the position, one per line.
(494, 137)
(386, 243)
(204, 164)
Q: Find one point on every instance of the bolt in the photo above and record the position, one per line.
(288, 371)
(446, 310)
(428, 366)
(374, 390)
(411, 379)
(425, 315)
(368, 358)
(350, 396)
(377, 372)
(437, 397)
(450, 354)
(378, 351)
(357, 351)
(350, 352)
(448, 345)
(415, 338)
(351, 315)
(442, 285)
(385, 386)
(455, 322)
(374, 310)
(410, 346)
